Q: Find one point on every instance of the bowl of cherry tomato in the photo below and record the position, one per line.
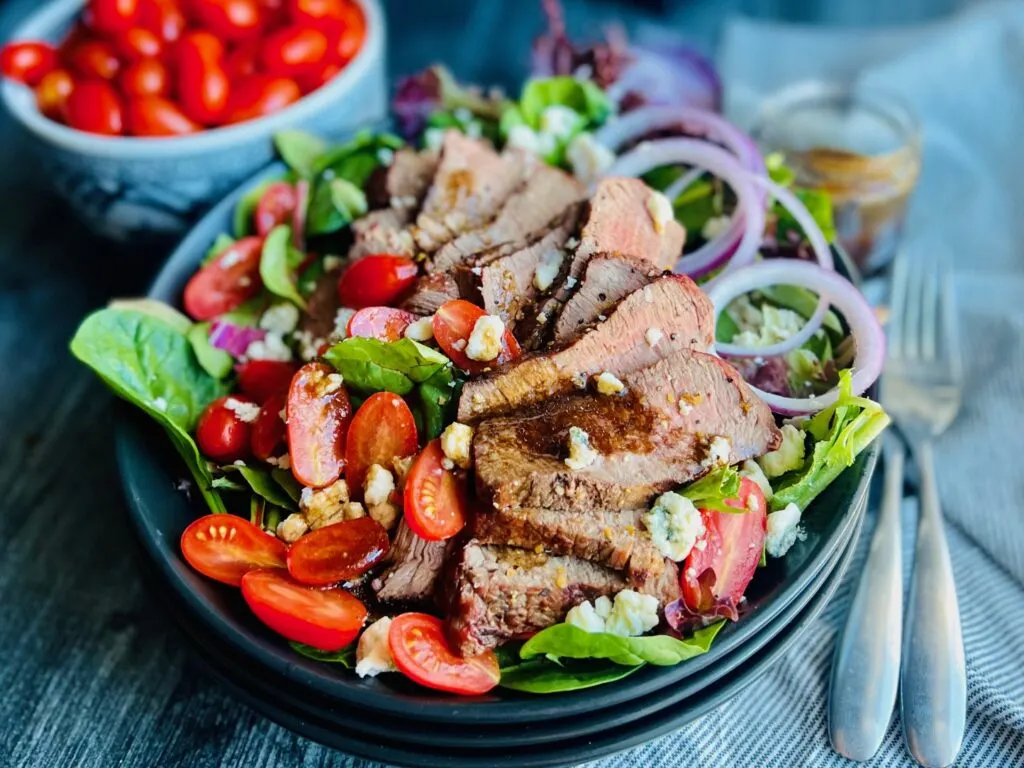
(145, 112)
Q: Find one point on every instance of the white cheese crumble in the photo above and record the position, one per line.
(630, 615)
(378, 486)
(420, 330)
(585, 617)
(272, 347)
(675, 525)
(718, 452)
(309, 347)
(332, 383)
(433, 138)
(280, 318)
(485, 341)
(282, 462)
(570, 282)
(373, 655)
(536, 143)
(341, 319)
(609, 384)
(547, 270)
(559, 121)
(292, 528)
(788, 456)
(660, 210)
(783, 530)
(752, 469)
(457, 443)
(579, 380)
(385, 155)
(324, 506)
(246, 412)
(581, 455)
(714, 227)
(588, 158)
(653, 336)
(776, 325)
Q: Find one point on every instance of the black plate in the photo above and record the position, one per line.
(160, 514)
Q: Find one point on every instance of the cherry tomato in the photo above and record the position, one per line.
(319, 413)
(293, 50)
(714, 577)
(348, 38)
(94, 59)
(328, 619)
(384, 323)
(262, 379)
(268, 431)
(338, 552)
(227, 281)
(94, 106)
(203, 86)
(138, 43)
(376, 281)
(52, 94)
(322, 75)
(155, 116)
(228, 19)
(243, 59)
(145, 77)
(163, 17)
(220, 432)
(435, 498)
(316, 12)
(276, 206)
(382, 430)
(421, 652)
(258, 96)
(453, 323)
(27, 62)
(112, 16)
(226, 547)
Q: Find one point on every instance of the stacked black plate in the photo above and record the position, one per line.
(390, 719)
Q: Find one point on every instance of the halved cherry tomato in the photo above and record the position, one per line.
(145, 77)
(328, 619)
(112, 16)
(227, 281)
(94, 106)
(52, 94)
(453, 324)
(383, 429)
(163, 17)
(220, 432)
(384, 323)
(262, 379)
(203, 86)
(319, 413)
(228, 19)
(226, 547)
(435, 498)
(27, 61)
(714, 577)
(269, 433)
(156, 116)
(421, 652)
(338, 552)
(376, 281)
(293, 50)
(276, 206)
(94, 59)
(259, 95)
(138, 43)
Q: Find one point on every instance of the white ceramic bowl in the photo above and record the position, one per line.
(127, 187)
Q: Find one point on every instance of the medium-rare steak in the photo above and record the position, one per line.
(675, 421)
(430, 292)
(383, 231)
(416, 566)
(608, 279)
(404, 182)
(671, 313)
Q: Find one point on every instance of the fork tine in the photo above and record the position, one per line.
(932, 277)
(898, 305)
(912, 317)
(950, 348)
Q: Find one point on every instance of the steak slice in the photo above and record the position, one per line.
(416, 566)
(527, 214)
(672, 306)
(608, 279)
(430, 292)
(383, 231)
(404, 182)
(676, 420)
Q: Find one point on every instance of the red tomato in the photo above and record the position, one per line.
(269, 433)
(316, 12)
(338, 552)
(227, 281)
(52, 94)
(138, 43)
(112, 16)
(376, 281)
(262, 379)
(322, 75)
(226, 547)
(155, 116)
(203, 86)
(243, 59)
(163, 17)
(145, 77)
(221, 434)
(383, 429)
(228, 19)
(384, 323)
(258, 96)
(435, 498)
(276, 206)
(94, 106)
(94, 59)
(453, 323)
(349, 37)
(319, 413)
(328, 619)
(714, 578)
(27, 62)
(293, 50)
(421, 653)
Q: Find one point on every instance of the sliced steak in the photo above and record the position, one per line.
(527, 214)
(672, 312)
(322, 306)
(608, 279)
(383, 231)
(430, 292)
(677, 419)
(404, 182)
(415, 568)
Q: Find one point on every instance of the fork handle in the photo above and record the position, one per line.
(866, 669)
(933, 689)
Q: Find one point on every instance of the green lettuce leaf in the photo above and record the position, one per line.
(215, 362)
(263, 483)
(545, 676)
(371, 365)
(346, 656)
(278, 263)
(300, 150)
(568, 641)
(357, 158)
(712, 490)
(288, 483)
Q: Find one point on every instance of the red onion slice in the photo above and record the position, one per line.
(234, 339)
(834, 289)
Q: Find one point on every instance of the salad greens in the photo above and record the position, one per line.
(300, 151)
(545, 676)
(712, 490)
(278, 263)
(346, 657)
(371, 365)
(264, 484)
(215, 362)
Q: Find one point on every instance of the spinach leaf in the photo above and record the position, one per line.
(336, 203)
(712, 490)
(565, 640)
(346, 656)
(300, 150)
(263, 484)
(278, 262)
(582, 96)
(221, 243)
(288, 483)
(215, 362)
(224, 483)
(165, 313)
(247, 206)
(438, 397)
(725, 328)
(349, 160)
(546, 676)
(198, 466)
(371, 365)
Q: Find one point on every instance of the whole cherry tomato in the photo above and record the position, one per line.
(260, 95)
(224, 283)
(221, 432)
(376, 281)
(228, 19)
(348, 38)
(112, 16)
(323, 74)
(294, 50)
(157, 116)
(94, 106)
(316, 12)
(27, 62)
(138, 43)
(52, 94)
(262, 379)
(163, 17)
(203, 86)
(243, 59)
(269, 433)
(145, 77)
(94, 59)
